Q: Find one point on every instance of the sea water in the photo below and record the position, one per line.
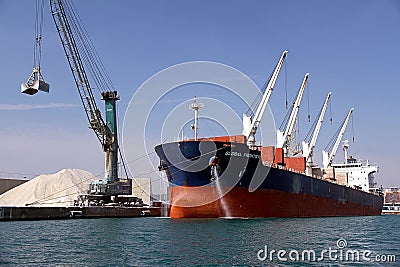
(147, 241)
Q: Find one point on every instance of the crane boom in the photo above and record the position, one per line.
(282, 137)
(327, 157)
(78, 70)
(250, 125)
(106, 131)
(308, 147)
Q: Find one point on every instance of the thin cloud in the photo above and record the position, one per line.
(180, 100)
(32, 107)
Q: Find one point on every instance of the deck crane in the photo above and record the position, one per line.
(36, 81)
(330, 150)
(311, 139)
(284, 134)
(251, 123)
(76, 43)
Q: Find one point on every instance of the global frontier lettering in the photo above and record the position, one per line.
(240, 154)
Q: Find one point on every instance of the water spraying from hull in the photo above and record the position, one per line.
(215, 180)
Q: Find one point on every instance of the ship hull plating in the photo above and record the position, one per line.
(244, 187)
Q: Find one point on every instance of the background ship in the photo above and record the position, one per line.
(233, 176)
(392, 201)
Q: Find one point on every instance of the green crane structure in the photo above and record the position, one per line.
(81, 54)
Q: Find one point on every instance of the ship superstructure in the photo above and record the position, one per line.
(354, 173)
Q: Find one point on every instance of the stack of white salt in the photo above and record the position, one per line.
(50, 190)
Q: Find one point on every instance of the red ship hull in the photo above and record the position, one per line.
(262, 203)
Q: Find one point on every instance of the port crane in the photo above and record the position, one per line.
(81, 54)
(311, 138)
(330, 150)
(251, 123)
(285, 134)
(36, 81)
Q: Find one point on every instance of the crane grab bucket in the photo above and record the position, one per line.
(34, 84)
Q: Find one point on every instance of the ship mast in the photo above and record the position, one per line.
(345, 147)
(196, 107)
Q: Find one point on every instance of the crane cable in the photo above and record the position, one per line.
(257, 100)
(89, 53)
(83, 43)
(285, 121)
(297, 134)
(330, 111)
(308, 101)
(352, 126)
(286, 90)
(37, 47)
(329, 146)
(313, 126)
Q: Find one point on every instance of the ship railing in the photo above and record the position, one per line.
(293, 170)
(180, 139)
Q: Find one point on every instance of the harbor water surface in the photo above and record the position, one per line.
(199, 242)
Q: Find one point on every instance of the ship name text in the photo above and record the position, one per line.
(240, 154)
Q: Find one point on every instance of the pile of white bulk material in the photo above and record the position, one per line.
(50, 190)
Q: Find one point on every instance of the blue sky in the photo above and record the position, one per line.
(348, 47)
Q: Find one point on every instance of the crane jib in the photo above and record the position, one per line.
(69, 31)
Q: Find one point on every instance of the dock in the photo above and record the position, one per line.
(53, 213)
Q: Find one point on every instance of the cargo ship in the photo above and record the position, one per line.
(236, 177)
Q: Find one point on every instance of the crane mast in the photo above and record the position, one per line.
(308, 147)
(327, 157)
(250, 125)
(106, 131)
(283, 136)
